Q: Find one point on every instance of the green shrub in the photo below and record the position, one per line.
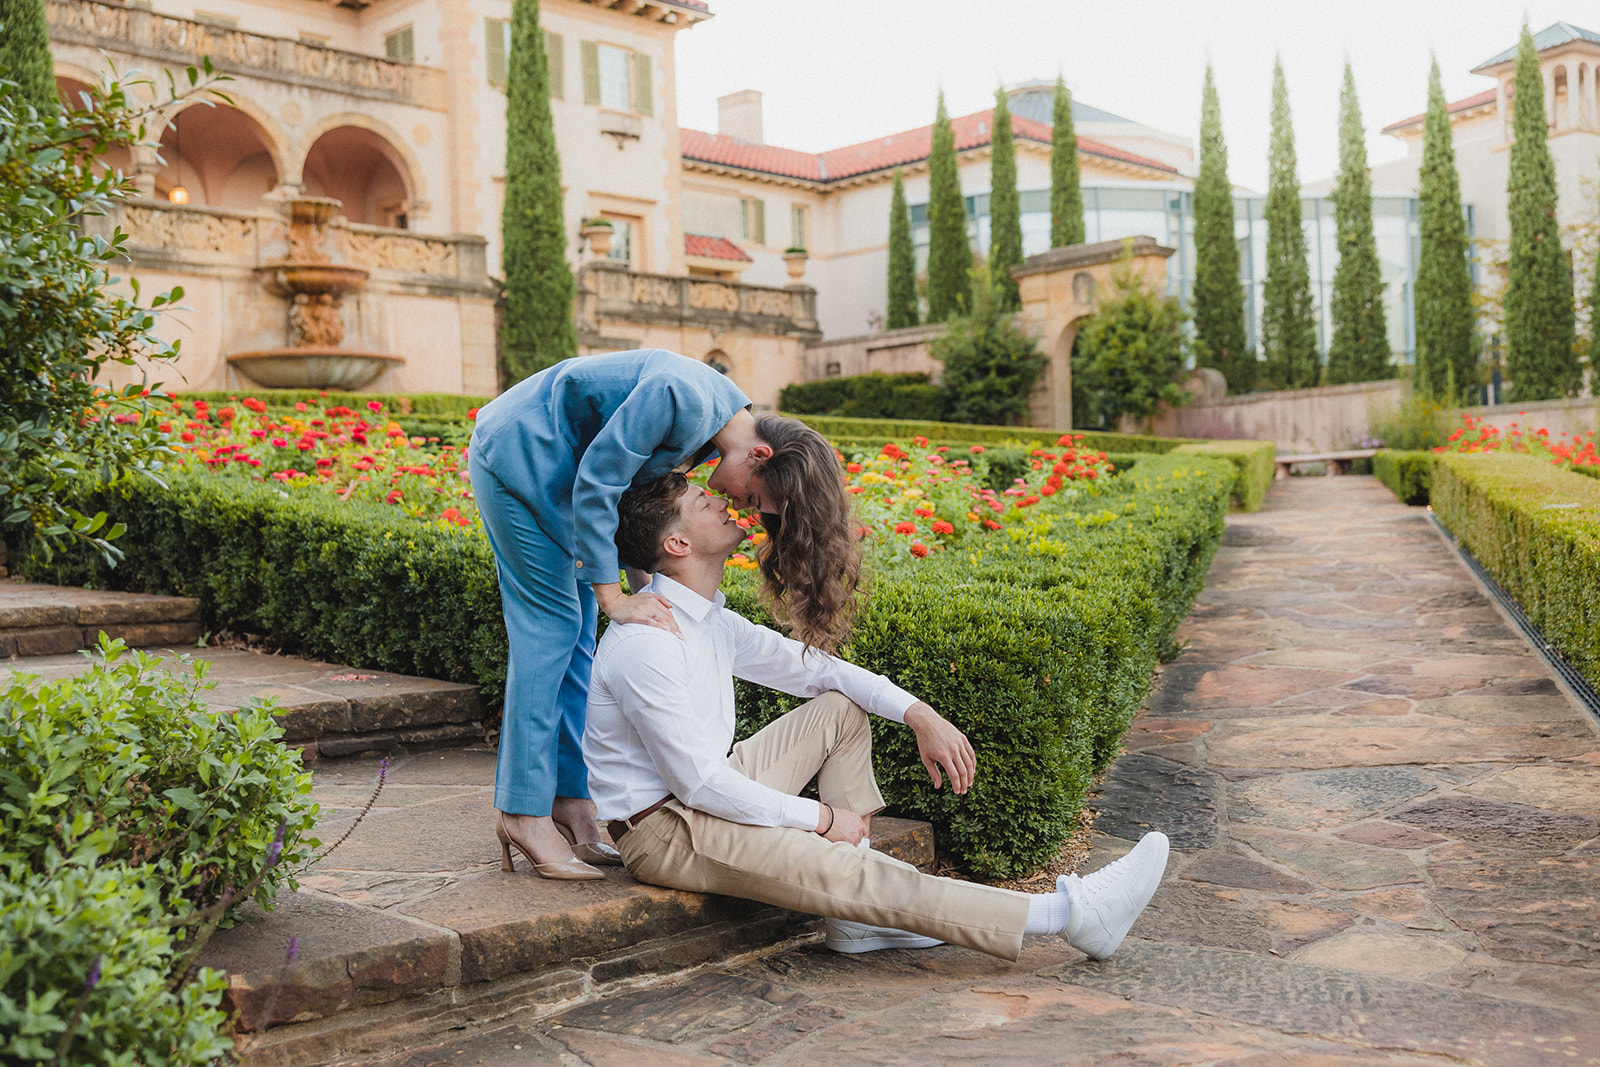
(395, 405)
(131, 820)
(1409, 475)
(990, 364)
(1253, 460)
(1536, 528)
(1418, 424)
(866, 396)
(864, 430)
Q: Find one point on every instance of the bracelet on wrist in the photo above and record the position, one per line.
(828, 827)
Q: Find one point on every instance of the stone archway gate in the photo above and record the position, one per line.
(1062, 287)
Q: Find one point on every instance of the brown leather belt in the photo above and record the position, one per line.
(618, 827)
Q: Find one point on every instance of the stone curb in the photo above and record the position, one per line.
(47, 620)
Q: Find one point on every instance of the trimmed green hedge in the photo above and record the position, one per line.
(1536, 528)
(1040, 644)
(867, 396)
(1409, 475)
(1253, 460)
(842, 429)
(395, 404)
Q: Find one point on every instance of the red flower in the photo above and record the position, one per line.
(942, 527)
(1064, 439)
(300, 406)
(1048, 490)
(991, 524)
(919, 550)
(922, 513)
(226, 414)
(254, 405)
(305, 444)
(373, 405)
(853, 468)
(905, 527)
(394, 497)
(473, 413)
(975, 449)
(920, 442)
(279, 442)
(325, 461)
(186, 437)
(855, 489)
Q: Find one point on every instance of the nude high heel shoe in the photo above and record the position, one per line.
(573, 870)
(599, 853)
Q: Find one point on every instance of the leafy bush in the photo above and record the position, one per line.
(1419, 423)
(844, 430)
(442, 405)
(1254, 461)
(1130, 356)
(1409, 475)
(1536, 528)
(866, 396)
(131, 820)
(990, 363)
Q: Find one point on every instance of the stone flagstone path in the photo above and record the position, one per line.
(1384, 814)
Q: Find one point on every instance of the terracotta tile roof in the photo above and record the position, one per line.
(896, 150)
(1467, 104)
(696, 244)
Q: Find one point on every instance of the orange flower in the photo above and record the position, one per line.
(905, 527)
(942, 527)
(919, 550)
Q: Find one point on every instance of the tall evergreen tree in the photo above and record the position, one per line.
(1218, 296)
(25, 52)
(1066, 195)
(1288, 331)
(1359, 350)
(1005, 210)
(536, 328)
(1540, 333)
(949, 253)
(1593, 348)
(902, 261)
(1443, 294)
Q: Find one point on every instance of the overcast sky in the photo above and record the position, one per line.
(834, 72)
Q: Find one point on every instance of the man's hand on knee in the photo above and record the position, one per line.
(941, 745)
(837, 824)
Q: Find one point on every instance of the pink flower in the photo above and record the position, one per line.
(373, 405)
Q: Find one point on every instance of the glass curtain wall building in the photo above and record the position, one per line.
(1167, 214)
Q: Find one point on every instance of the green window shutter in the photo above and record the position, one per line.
(495, 50)
(400, 46)
(558, 65)
(589, 56)
(755, 221)
(643, 91)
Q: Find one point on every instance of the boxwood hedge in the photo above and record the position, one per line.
(1409, 475)
(1040, 645)
(1536, 528)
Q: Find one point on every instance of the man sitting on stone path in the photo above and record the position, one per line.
(686, 814)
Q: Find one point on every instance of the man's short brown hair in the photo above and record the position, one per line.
(645, 516)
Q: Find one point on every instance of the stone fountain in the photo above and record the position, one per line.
(316, 286)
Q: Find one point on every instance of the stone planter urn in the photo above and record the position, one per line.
(598, 233)
(795, 260)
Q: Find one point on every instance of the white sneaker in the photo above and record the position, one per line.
(842, 935)
(1106, 903)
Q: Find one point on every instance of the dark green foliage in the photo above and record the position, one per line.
(1419, 423)
(395, 405)
(1593, 349)
(1005, 210)
(25, 56)
(902, 262)
(1129, 356)
(843, 430)
(1409, 475)
(1253, 461)
(1041, 650)
(990, 364)
(865, 396)
(1534, 527)
(1288, 330)
(1443, 295)
(131, 818)
(1359, 350)
(1218, 295)
(1066, 195)
(1541, 340)
(949, 253)
(536, 325)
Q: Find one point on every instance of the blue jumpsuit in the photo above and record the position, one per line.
(550, 459)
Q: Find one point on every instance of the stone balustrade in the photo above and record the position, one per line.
(134, 31)
(612, 293)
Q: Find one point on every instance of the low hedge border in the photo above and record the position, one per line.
(1409, 475)
(1040, 643)
(837, 428)
(871, 396)
(1254, 462)
(1536, 528)
(395, 404)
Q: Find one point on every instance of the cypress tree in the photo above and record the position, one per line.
(536, 328)
(1066, 197)
(1288, 332)
(1005, 210)
(1218, 296)
(902, 261)
(1540, 333)
(949, 253)
(1443, 295)
(1359, 350)
(25, 52)
(1594, 314)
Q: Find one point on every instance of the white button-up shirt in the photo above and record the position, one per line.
(661, 710)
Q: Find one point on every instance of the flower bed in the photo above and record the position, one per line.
(1029, 604)
(1409, 475)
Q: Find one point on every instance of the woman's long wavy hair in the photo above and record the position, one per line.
(811, 559)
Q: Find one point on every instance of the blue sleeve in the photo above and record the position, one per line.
(640, 424)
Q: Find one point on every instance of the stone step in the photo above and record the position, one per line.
(326, 710)
(45, 620)
(410, 929)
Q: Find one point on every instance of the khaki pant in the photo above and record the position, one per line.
(828, 738)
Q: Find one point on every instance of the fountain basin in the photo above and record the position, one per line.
(287, 279)
(312, 367)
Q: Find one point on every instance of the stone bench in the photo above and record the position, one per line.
(1337, 462)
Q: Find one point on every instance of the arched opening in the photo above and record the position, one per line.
(117, 157)
(718, 361)
(363, 172)
(1559, 98)
(1581, 108)
(216, 156)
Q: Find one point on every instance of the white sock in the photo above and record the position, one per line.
(865, 842)
(1048, 913)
